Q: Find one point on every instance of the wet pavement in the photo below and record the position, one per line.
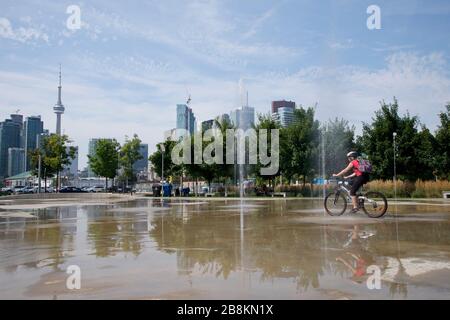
(224, 249)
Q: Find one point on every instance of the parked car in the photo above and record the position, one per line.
(96, 189)
(6, 191)
(43, 190)
(49, 190)
(25, 190)
(113, 189)
(71, 190)
(17, 189)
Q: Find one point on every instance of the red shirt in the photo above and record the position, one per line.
(360, 269)
(356, 171)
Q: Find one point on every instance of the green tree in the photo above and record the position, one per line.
(265, 122)
(55, 156)
(105, 161)
(299, 145)
(207, 171)
(170, 169)
(338, 138)
(128, 155)
(224, 171)
(415, 151)
(443, 145)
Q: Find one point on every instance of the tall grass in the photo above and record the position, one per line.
(419, 189)
(430, 189)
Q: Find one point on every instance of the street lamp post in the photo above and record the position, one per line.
(39, 173)
(394, 136)
(163, 149)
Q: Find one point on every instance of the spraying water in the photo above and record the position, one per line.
(241, 177)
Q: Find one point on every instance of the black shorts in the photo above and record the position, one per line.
(358, 182)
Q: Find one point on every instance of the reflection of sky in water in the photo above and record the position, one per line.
(160, 249)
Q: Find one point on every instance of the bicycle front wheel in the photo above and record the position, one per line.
(335, 204)
(375, 204)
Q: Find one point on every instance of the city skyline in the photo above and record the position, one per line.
(129, 64)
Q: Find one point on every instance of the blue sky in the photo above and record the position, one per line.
(132, 62)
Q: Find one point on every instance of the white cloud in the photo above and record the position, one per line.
(258, 22)
(202, 30)
(421, 83)
(337, 45)
(20, 34)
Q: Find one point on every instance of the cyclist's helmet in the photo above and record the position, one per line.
(352, 154)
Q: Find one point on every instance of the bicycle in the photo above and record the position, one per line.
(373, 203)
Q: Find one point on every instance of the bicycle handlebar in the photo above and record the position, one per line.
(338, 178)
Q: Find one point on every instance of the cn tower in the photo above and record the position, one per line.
(59, 107)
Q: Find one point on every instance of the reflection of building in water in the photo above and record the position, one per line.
(185, 263)
(42, 243)
(115, 230)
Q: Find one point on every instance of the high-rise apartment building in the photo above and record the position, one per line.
(142, 164)
(33, 127)
(243, 118)
(185, 119)
(16, 161)
(283, 112)
(10, 137)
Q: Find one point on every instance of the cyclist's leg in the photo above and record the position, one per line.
(357, 183)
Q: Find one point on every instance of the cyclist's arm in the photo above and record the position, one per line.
(345, 263)
(349, 167)
(350, 176)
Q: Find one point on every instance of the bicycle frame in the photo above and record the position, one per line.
(361, 197)
(373, 203)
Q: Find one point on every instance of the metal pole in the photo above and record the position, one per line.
(162, 166)
(395, 164)
(163, 149)
(39, 173)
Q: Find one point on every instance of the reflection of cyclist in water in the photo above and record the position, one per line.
(356, 257)
(359, 180)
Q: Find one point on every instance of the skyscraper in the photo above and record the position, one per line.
(16, 161)
(33, 127)
(10, 137)
(185, 119)
(142, 164)
(59, 107)
(243, 118)
(283, 112)
(17, 118)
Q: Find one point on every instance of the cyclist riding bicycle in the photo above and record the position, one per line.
(360, 178)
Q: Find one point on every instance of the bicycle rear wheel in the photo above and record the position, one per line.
(374, 204)
(335, 204)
